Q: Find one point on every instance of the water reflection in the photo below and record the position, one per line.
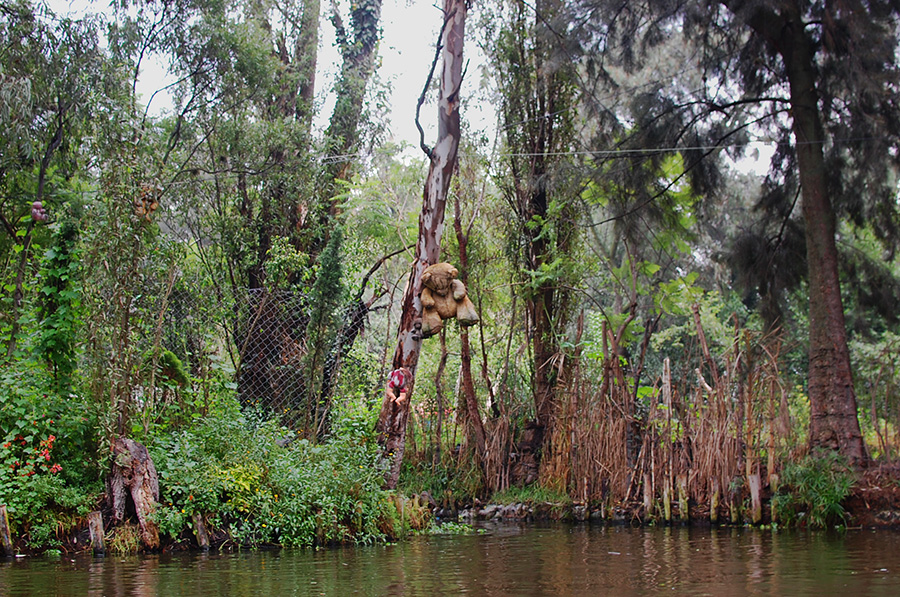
(506, 560)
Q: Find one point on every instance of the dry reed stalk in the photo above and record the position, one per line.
(669, 432)
(598, 432)
(706, 434)
(555, 465)
(710, 448)
(496, 458)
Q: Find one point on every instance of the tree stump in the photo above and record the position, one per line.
(133, 475)
(95, 524)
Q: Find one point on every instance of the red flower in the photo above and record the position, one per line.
(55, 468)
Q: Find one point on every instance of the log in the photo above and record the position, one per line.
(5, 535)
(755, 500)
(200, 531)
(95, 525)
(133, 475)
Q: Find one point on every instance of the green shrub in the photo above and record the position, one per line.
(48, 471)
(263, 489)
(812, 490)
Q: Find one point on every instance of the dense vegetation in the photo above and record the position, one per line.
(222, 281)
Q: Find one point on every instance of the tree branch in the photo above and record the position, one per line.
(437, 54)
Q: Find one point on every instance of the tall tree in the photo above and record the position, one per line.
(821, 77)
(537, 107)
(249, 165)
(392, 419)
(358, 64)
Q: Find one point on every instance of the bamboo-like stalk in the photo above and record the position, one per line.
(5, 535)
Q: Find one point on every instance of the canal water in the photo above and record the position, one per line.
(526, 560)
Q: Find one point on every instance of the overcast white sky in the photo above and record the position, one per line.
(410, 29)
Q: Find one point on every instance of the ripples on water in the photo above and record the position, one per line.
(581, 561)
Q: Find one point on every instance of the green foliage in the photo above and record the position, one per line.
(449, 527)
(125, 540)
(266, 487)
(531, 494)
(678, 298)
(172, 369)
(284, 264)
(876, 365)
(451, 479)
(47, 454)
(328, 288)
(811, 491)
(60, 304)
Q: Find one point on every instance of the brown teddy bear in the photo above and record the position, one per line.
(444, 297)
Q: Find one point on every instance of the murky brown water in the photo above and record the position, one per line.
(506, 560)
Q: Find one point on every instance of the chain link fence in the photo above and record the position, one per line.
(256, 343)
(273, 373)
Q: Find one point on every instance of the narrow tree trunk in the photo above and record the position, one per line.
(536, 113)
(474, 425)
(392, 419)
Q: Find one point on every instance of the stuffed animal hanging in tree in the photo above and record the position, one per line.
(444, 297)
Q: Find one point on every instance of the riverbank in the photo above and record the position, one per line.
(873, 503)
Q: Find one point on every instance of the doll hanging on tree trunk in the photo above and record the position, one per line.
(398, 385)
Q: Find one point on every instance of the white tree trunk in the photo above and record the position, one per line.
(394, 415)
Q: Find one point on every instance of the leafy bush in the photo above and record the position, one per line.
(48, 474)
(265, 488)
(812, 491)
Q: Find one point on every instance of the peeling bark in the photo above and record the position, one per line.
(392, 421)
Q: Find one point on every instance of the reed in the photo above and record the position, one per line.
(697, 440)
